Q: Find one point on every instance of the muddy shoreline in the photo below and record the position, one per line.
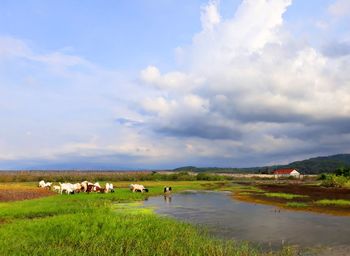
(311, 195)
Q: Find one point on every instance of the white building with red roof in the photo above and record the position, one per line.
(286, 173)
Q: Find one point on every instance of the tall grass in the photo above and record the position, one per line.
(72, 176)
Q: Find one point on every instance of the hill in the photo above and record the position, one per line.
(314, 165)
(321, 164)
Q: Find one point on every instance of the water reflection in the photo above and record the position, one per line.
(261, 224)
(167, 198)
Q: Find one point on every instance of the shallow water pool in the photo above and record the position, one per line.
(261, 224)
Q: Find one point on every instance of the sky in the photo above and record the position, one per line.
(154, 84)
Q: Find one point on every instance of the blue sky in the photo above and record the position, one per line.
(115, 34)
(161, 84)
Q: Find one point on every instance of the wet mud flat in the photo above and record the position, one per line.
(312, 191)
(335, 201)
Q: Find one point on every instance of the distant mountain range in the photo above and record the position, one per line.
(314, 165)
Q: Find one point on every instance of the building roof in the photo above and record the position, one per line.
(283, 171)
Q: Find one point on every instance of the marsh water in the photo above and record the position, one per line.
(265, 225)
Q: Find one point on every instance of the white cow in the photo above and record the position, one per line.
(97, 187)
(48, 185)
(84, 185)
(138, 188)
(109, 188)
(167, 189)
(57, 189)
(43, 184)
(67, 187)
(77, 187)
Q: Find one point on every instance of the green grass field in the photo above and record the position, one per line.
(107, 224)
(102, 224)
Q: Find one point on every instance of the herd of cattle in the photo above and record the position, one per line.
(88, 187)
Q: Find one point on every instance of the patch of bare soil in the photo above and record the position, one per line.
(7, 195)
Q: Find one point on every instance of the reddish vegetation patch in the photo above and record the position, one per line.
(23, 194)
(314, 192)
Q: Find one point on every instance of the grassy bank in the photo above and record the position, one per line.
(336, 202)
(90, 225)
(106, 224)
(284, 195)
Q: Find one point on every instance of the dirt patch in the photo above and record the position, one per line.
(7, 195)
(3, 221)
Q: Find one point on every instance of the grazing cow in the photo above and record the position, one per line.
(97, 187)
(109, 188)
(48, 185)
(67, 187)
(43, 184)
(57, 189)
(89, 188)
(167, 189)
(84, 185)
(77, 187)
(138, 188)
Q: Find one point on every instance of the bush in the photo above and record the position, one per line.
(322, 176)
(332, 180)
(343, 172)
(211, 177)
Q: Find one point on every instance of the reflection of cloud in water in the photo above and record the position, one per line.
(253, 222)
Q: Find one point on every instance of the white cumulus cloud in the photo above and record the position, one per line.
(260, 88)
(340, 8)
